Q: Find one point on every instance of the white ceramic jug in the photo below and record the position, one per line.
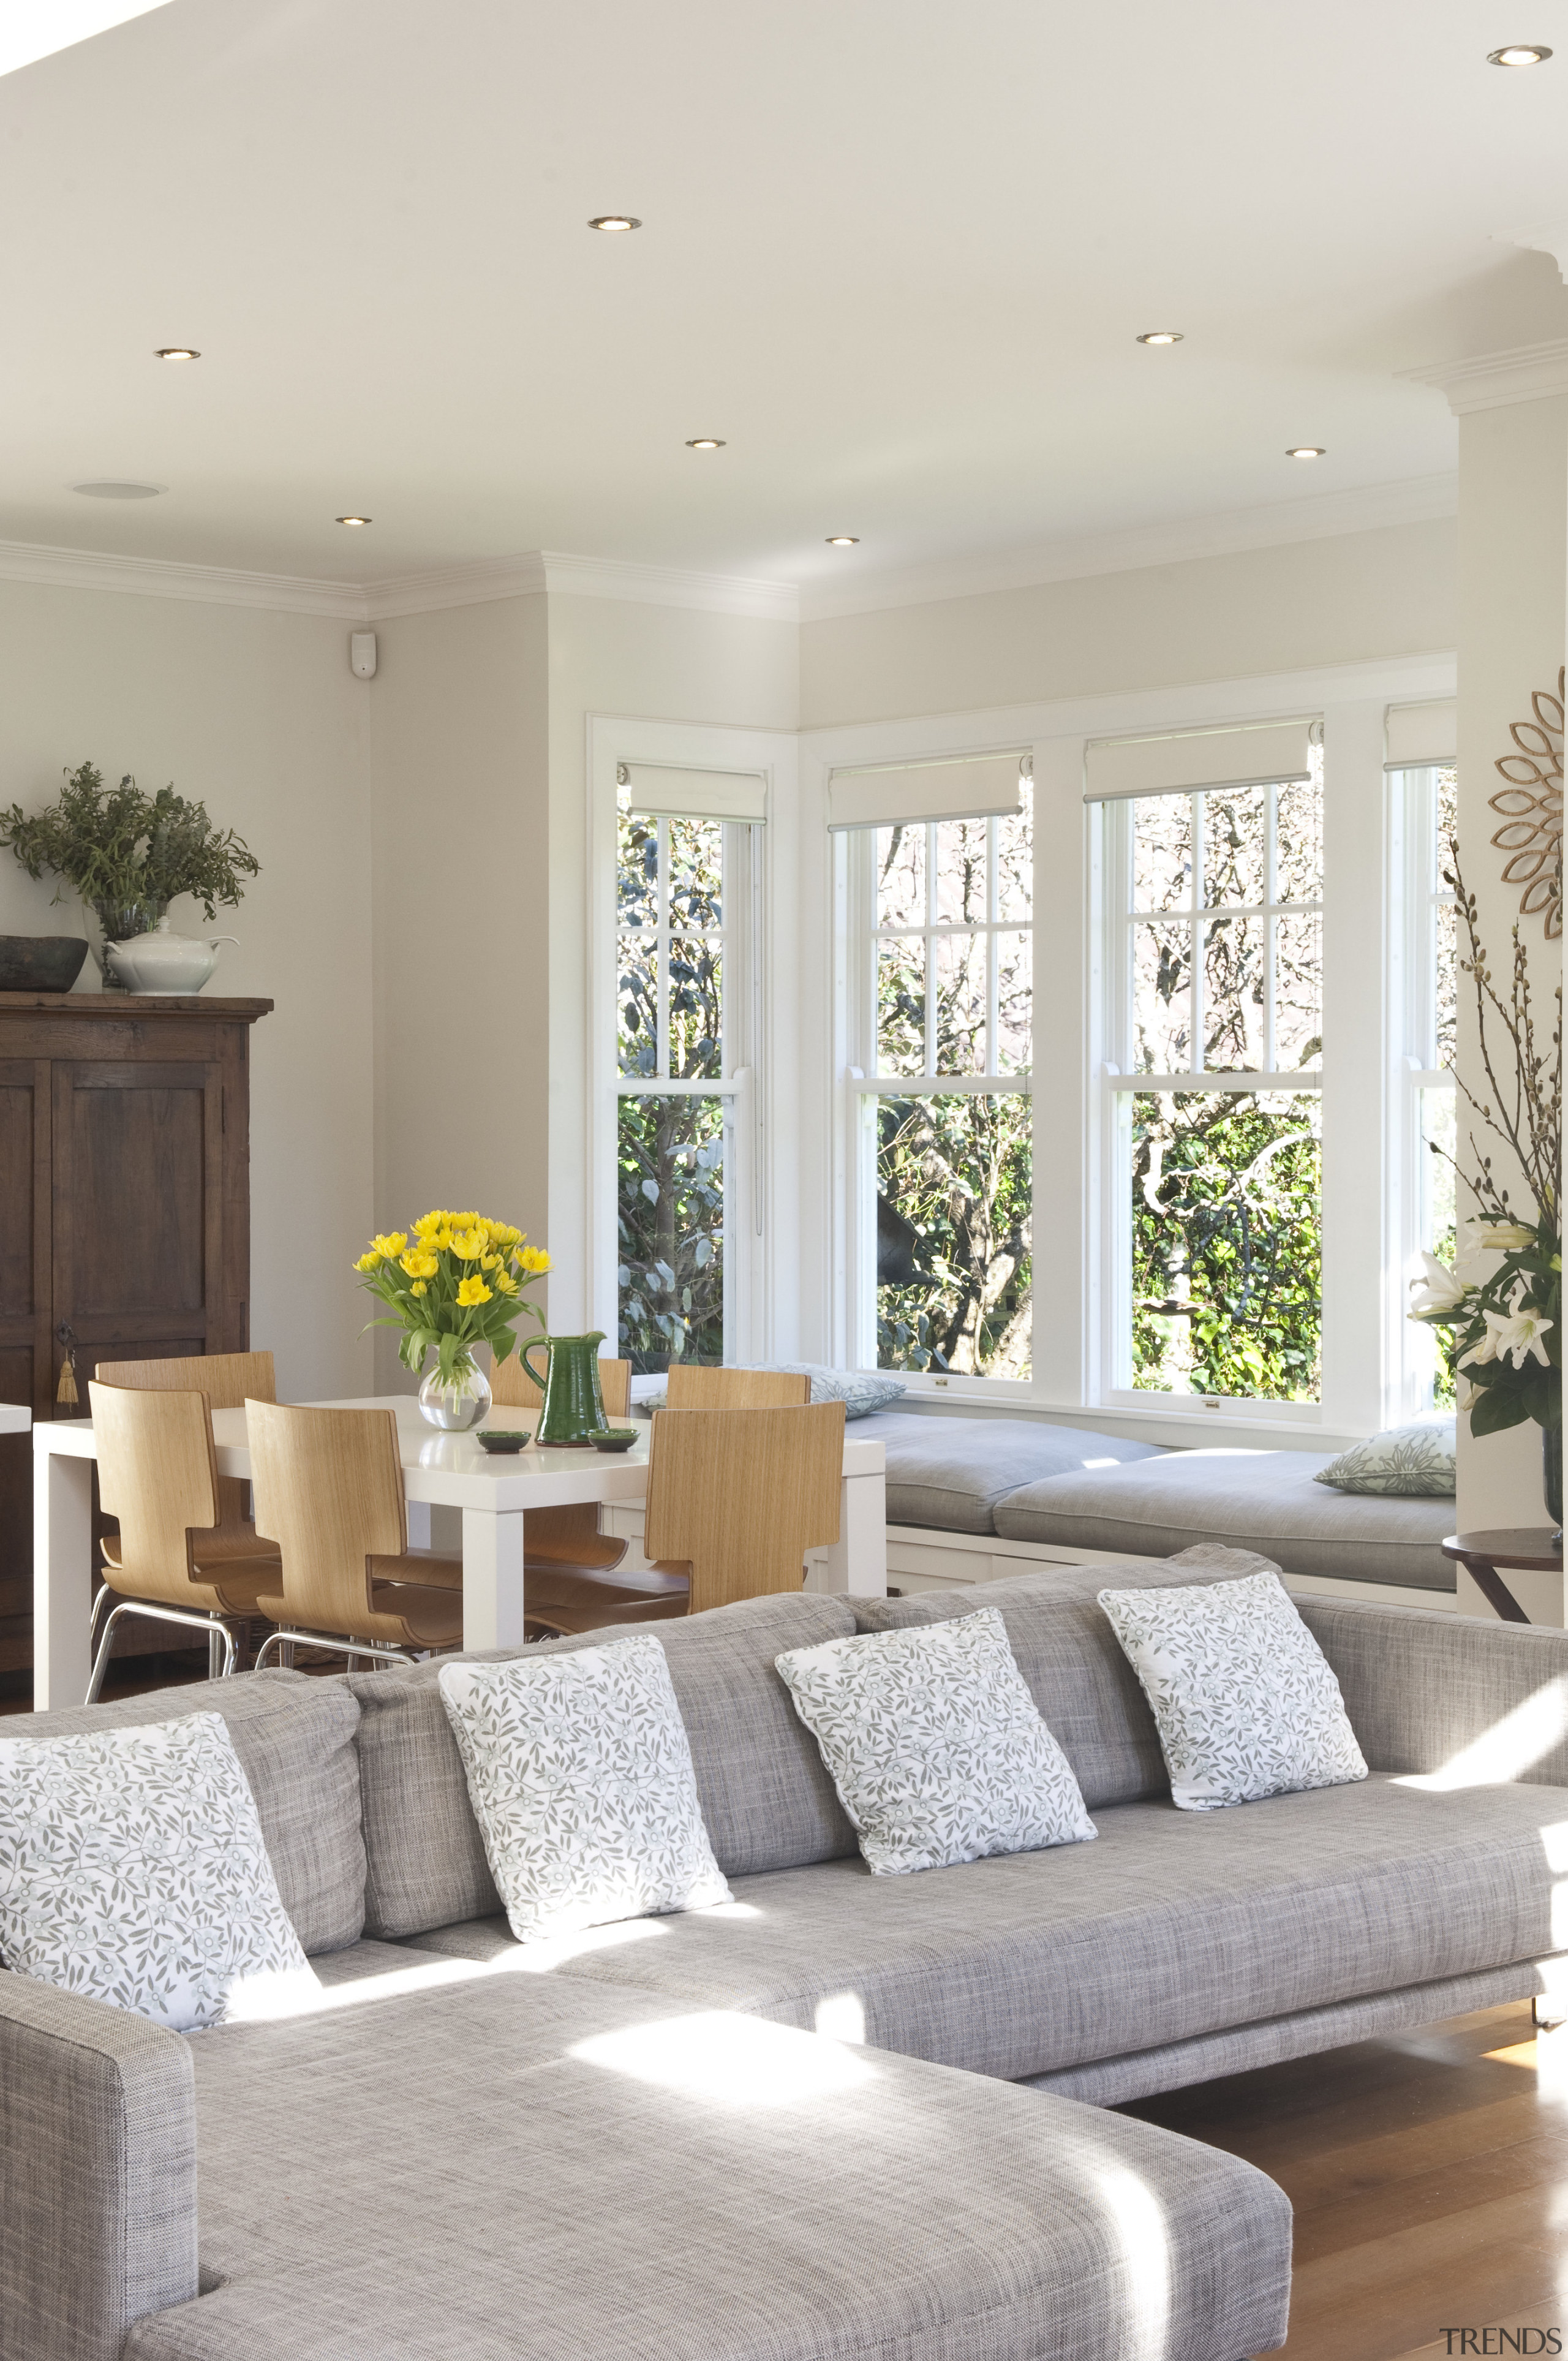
(163, 961)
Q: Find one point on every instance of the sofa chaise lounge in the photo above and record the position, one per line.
(638, 2146)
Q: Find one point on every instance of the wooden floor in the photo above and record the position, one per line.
(1430, 2178)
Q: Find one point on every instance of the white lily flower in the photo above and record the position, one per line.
(1438, 1294)
(1515, 1337)
(1501, 1235)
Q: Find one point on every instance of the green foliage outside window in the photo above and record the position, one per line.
(670, 1230)
(1227, 1257)
(953, 1233)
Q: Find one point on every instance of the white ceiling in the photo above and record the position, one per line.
(895, 251)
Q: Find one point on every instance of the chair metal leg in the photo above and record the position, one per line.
(337, 1643)
(100, 1606)
(219, 1638)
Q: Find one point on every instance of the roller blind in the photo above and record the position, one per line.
(975, 789)
(660, 790)
(1178, 763)
(1419, 734)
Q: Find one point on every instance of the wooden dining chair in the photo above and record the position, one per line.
(567, 1536)
(329, 1491)
(173, 1560)
(735, 1499)
(694, 1385)
(226, 1380)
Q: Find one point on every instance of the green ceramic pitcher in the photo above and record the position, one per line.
(574, 1406)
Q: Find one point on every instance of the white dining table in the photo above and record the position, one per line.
(440, 1471)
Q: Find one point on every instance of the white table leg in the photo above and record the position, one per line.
(62, 1578)
(492, 1578)
(419, 1523)
(858, 1561)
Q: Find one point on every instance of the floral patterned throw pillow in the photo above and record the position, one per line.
(1413, 1463)
(935, 1744)
(580, 1775)
(1245, 1700)
(133, 1870)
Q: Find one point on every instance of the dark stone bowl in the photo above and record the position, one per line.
(40, 962)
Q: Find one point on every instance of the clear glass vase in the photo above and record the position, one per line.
(459, 1404)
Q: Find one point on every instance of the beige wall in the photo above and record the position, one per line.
(257, 715)
(460, 847)
(1317, 602)
(1513, 560)
(672, 663)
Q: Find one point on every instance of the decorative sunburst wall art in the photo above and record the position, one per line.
(1531, 809)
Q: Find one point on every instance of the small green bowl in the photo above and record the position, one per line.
(499, 1440)
(616, 1438)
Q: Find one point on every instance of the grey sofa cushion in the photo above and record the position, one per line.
(951, 1472)
(294, 1736)
(1264, 1501)
(1172, 1925)
(767, 1800)
(548, 2176)
(1088, 1693)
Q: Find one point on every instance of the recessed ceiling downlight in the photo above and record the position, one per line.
(843, 540)
(705, 442)
(353, 520)
(108, 490)
(615, 224)
(1161, 336)
(1306, 451)
(177, 353)
(1519, 54)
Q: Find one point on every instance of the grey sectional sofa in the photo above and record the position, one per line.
(638, 2146)
(1067, 1488)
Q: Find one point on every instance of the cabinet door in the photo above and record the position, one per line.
(24, 1362)
(138, 1209)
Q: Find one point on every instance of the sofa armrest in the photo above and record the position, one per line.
(1424, 1690)
(98, 2173)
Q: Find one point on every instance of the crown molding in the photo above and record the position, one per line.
(1320, 516)
(670, 585)
(469, 585)
(1552, 239)
(159, 578)
(1496, 380)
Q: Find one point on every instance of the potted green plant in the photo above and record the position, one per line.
(127, 854)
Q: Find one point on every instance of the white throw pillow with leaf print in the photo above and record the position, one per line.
(935, 1744)
(133, 1870)
(580, 1775)
(1245, 1701)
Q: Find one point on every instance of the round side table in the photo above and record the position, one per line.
(1532, 1549)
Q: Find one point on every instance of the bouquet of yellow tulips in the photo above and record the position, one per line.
(456, 1283)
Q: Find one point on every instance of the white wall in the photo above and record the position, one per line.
(257, 715)
(459, 847)
(1513, 558)
(1312, 603)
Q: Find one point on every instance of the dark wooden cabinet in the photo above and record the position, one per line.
(124, 1210)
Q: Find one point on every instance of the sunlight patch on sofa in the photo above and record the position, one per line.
(1137, 2219)
(733, 2062)
(841, 2017)
(1511, 1747)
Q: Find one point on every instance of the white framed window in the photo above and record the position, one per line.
(677, 1008)
(1212, 927)
(1424, 816)
(939, 1019)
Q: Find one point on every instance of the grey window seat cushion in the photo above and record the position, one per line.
(478, 2189)
(1264, 1501)
(294, 1735)
(766, 1797)
(951, 1472)
(1171, 1925)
